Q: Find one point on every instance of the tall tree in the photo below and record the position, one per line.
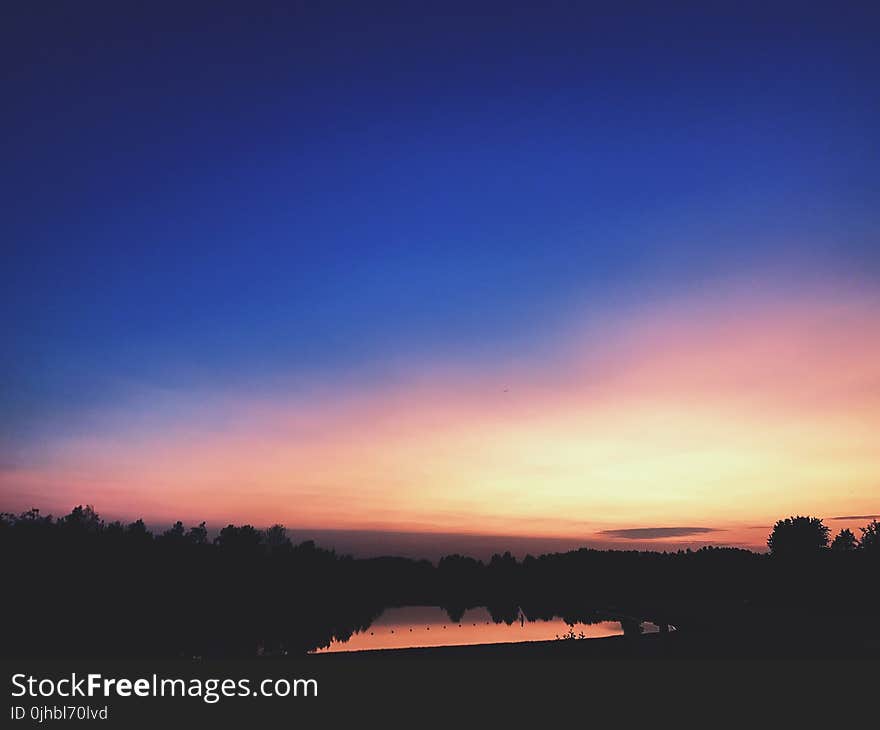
(798, 536)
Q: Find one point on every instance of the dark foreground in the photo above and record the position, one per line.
(80, 588)
(691, 675)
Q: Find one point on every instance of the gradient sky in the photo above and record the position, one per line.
(537, 271)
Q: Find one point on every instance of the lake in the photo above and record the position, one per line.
(421, 626)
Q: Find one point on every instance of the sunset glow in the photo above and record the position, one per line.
(722, 412)
(605, 276)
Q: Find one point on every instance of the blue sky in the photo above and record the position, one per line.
(201, 197)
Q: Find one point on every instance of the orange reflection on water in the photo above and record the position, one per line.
(421, 626)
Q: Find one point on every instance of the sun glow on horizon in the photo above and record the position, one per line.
(721, 412)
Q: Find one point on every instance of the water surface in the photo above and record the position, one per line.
(422, 626)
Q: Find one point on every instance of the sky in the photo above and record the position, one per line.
(410, 277)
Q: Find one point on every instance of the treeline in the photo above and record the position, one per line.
(802, 536)
(78, 586)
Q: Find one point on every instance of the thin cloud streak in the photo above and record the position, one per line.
(657, 533)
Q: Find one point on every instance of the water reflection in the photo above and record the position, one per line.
(423, 626)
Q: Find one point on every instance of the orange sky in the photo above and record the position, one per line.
(725, 411)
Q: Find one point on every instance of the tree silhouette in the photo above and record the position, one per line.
(871, 537)
(114, 529)
(275, 538)
(175, 533)
(138, 531)
(844, 541)
(82, 518)
(240, 540)
(798, 536)
(198, 535)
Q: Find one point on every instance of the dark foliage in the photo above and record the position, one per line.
(798, 537)
(844, 541)
(81, 587)
(871, 537)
